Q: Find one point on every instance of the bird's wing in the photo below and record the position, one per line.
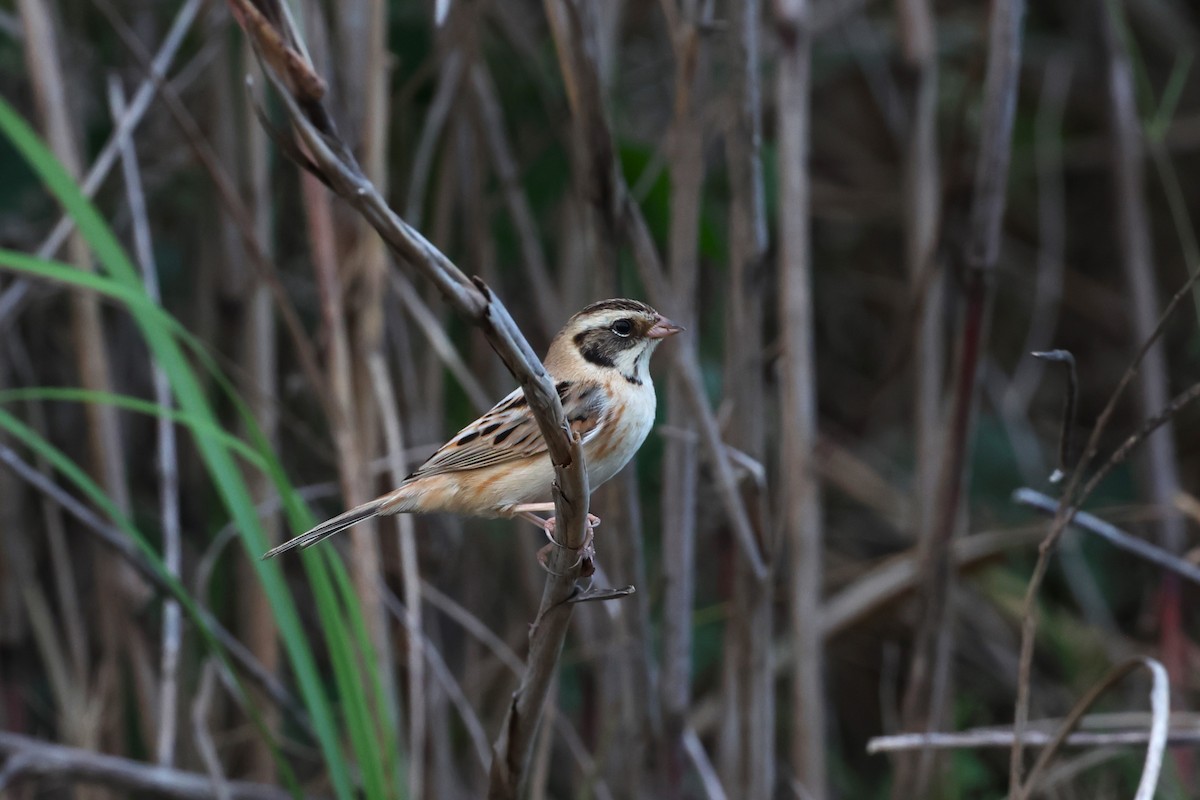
(508, 432)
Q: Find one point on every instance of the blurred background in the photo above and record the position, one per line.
(820, 528)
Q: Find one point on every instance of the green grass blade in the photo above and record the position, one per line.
(159, 336)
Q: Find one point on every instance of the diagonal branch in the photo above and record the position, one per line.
(300, 89)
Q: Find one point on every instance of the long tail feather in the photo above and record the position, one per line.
(330, 527)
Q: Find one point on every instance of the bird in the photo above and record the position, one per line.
(498, 466)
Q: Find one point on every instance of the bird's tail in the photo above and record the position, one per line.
(330, 527)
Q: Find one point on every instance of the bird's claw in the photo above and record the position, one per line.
(586, 551)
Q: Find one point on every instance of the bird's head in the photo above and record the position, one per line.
(612, 334)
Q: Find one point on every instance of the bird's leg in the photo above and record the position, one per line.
(586, 551)
(546, 525)
(525, 512)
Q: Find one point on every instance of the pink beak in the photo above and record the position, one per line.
(663, 328)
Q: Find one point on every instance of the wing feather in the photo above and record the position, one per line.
(508, 432)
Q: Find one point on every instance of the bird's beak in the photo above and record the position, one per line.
(663, 328)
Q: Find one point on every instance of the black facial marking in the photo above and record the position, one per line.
(504, 434)
(600, 346)
(598, 355)
(467, 437)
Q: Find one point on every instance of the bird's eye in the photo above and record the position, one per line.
(622, 327)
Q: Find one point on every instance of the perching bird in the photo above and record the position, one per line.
(497, 466)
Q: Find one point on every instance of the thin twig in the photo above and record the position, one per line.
(115, 539)
(439, 340)
(976, 739)
(204, 741)
(168, 464)
(533, 258)
(385, 398)
(11, 299)
(703, 765)
(442, 673)
(450, 75)
(1112, 534)
(1073, 497)
(484, 635)
(472, 624)
(34, 758)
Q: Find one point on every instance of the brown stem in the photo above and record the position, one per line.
(800, 511)
(117, 587)
(926, 690)
(747, 750)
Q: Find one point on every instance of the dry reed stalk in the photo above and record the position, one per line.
(202, 736)
(364, 560)
(450, 73)
(117, 586)
(17, 293)
(606, 192)
(364, 76)
(385, 398)
(1160, 477)
(801, 500)
(922, 224)
(747, 757)
(259, 362)
(67, 592)
(533, 260)
(627, 684)
(167, 460)
(927, 689)
(227, 194)
(114, 539)
(685, 144)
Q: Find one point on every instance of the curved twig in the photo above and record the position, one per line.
(1160, 703)
(1068, 419)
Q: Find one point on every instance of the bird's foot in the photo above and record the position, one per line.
(586, 552)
